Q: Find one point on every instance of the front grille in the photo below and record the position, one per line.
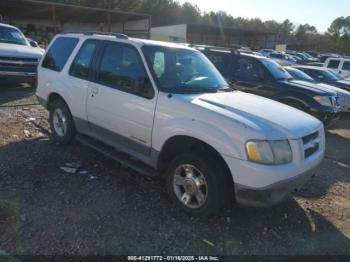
(19, 59)
(18, 64)
(311, 144)
(27, 69)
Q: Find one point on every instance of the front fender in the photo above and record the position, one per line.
(203, 131)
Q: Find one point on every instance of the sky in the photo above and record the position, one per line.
(319, 13)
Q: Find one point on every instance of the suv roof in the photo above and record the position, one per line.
(136, 41)
(9, 26)
(311, 67)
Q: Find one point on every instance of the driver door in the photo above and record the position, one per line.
(121, 100)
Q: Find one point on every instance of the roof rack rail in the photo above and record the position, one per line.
(209, 47)
(117, 35)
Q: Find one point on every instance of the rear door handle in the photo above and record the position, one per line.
(94, 91)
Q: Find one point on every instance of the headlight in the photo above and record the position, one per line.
(269, 152)
(324, 100)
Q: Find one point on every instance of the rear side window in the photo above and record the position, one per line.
(248, 69)
(220, 60)
(333, 64)
(346, 66)
(81, 65)
(59, 52)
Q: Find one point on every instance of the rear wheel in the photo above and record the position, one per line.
(61, 122)
(198, 185)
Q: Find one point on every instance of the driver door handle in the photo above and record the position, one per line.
(94, 91)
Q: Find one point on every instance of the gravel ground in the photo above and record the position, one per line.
(111, 210)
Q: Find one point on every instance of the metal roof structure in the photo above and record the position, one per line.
(35, 9)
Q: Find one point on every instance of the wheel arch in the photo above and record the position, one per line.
(184, 144)
(53, 97)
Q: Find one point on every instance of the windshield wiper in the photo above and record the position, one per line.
(190, 90)
(226, 89)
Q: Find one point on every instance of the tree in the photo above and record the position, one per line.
(339, 35)
(303, 30)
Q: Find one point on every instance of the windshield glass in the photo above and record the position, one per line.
(300, 75)
(11, 36)
(332, 76)
(181, 70)
(277, 71)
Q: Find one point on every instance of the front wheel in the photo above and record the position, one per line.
(61, 123)
(198, 185)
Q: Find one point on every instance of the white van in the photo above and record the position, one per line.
(340, 66)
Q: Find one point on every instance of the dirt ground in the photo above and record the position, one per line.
(111, 210)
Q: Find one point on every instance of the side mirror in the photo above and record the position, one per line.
(33, 43)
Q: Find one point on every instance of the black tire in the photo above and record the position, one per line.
(68, 136)
(220, 187)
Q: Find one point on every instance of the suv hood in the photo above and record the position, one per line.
(311, 87)
(345, 82)
(333, 88)
(20, 51)
(271, 119)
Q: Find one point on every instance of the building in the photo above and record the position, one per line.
(41, 20)
(214, 35)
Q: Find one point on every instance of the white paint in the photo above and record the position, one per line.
(225, 121)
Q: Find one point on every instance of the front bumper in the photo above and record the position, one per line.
(273, 194)
(260, 185)
(17, 77)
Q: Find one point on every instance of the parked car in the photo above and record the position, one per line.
(343, 95)
(324, 57)
(314, 54)
(325, 75)
(163, 109)
(319, 64)
(263, 76)
(283, 59)
(18, 60)
(340, 66)
(310, 58)
(266, 52)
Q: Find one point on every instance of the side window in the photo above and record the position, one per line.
(217, 60)
(81, 65)
(346, 65)
(333, 64)
(59, 53)
(314, 74)
(121, 67)
(249, 69)
(159, 63)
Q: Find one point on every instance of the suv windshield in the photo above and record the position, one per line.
(276, 70)
(182, 70)
(332, 76)
(11, 36)
(299, 75)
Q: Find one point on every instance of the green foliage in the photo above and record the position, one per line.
(338, 35)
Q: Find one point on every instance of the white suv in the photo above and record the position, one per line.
(339, 66)
(163, 109)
